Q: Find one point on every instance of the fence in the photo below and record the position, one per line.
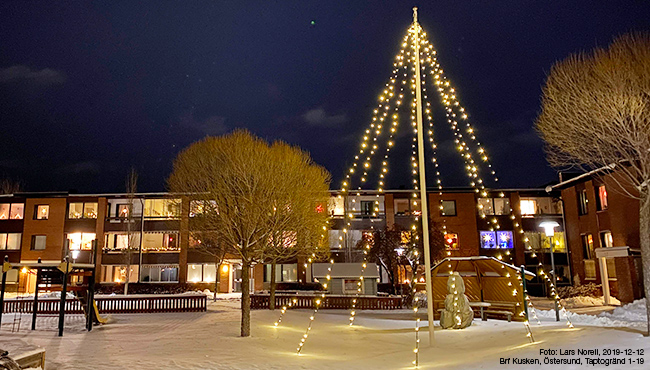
(261, 301)
(113, 304)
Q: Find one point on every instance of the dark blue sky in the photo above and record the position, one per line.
(89, 89)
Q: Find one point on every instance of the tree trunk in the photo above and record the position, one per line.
(245, 300)
(128, 271)
(217, 266)
(644, 241)
(272, 290)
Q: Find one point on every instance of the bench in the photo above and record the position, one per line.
(499, 313)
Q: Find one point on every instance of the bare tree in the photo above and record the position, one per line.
(9, 186)
(245, 178)
(596, 115)
(207, 240)
(132, 237)
(384, 245)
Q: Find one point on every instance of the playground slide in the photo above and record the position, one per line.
(101, 320)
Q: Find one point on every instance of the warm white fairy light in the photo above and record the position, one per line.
(317, 305)
(519, 283)
(360, 283)
(284, 309)
(416, 350)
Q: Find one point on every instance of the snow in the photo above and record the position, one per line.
(632, 315)
(378, 340)
(585, 301)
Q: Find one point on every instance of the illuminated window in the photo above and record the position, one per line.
(606, 240)
(90, 210)
(448, 208)
(401, 206)
(118, 242)
(162, 208)
(159, 242)
(38, 242)
(587, 246)
(117, 274)
(13, 211)
(199, 207)
(123, 210)
(485, 206)
(451, 241)
(501, 206)
(335, 206)
(42, 212)
(496, 240)
(528, 207)
(283, 272)
(17, 211)
(10, 241)
(601, 199)
(81, 241)
(75, 210)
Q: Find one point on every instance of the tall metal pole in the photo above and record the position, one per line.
(423, 182)
(554, 277)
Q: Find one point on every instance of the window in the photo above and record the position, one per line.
(501, 206)
(494, 206)
(41, 212)
(587, 246)
(38, 242)
(448, 208)
(82, 210)
(601, 198)
(485, 206)
(160, 273)
(283, 272)
(11, 211)
(160, 242)
(117, 274)
(336, 206)
(451, 241)
(401, 206)
(582, 203)
(366, 207)
(123, 210)
(496, 240)
(162, 208)
(202, 273)
(606, 240)
(10, 241)
(81, 241)
(120, 242)
(199, 207)
(528, 207)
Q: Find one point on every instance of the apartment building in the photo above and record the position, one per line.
(603, 232)
(157, 226)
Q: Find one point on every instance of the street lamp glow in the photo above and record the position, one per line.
(549, 227)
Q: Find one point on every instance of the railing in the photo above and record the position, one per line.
(116, 304)
(261, 301)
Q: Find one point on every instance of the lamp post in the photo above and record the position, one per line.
(549, 230)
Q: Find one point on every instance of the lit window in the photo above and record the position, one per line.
(606, 240)
(38, 242)
(10, 241)
(81, 241)
(42, 212)
(4, 211)
(501, 206)
(123, 210)
(488, 239)
(200, 207)
(17, 211)
(117, 274)
(496, 240)
(451, 241)
(485, 206)
(448, 208)
(504, 239)
(336, 206)
(162, 208)
(90, 210)
(587, 246)
(601, 203)
(159, 242)
(160, 273)
(528, 207)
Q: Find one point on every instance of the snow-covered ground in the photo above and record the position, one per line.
(378, 340)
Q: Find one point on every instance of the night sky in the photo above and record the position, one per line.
(90, 89)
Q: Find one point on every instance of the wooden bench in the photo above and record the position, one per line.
(500, 313)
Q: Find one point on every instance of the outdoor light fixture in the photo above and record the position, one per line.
(549, 227)
(75, 254)
(224, 268)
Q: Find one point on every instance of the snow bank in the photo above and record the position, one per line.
(586, 301)
(632, 315)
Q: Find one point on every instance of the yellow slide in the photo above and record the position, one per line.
(99, 319)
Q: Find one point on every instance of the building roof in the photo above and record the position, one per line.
(345, 270)
(583, 177)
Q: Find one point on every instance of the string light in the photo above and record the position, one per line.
(317, 304)
(416, 350)
(284, 309)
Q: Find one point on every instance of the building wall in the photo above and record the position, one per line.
(52, 228)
